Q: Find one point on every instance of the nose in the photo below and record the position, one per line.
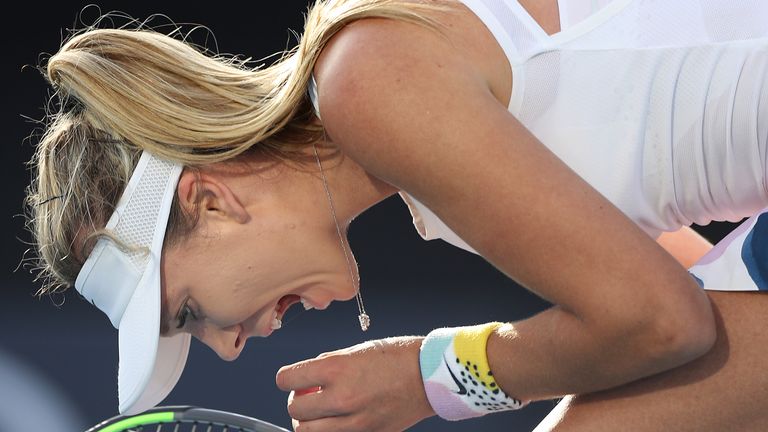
(227, 342)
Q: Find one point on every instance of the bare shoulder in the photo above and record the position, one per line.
(415, 110)
(462, 44)
(376, 73)
(375, 65)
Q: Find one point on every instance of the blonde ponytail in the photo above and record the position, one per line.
(127, 90)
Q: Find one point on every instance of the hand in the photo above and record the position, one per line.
(374, 386)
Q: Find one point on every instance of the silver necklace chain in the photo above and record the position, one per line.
(365, 320)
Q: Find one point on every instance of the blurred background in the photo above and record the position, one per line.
(58, 355)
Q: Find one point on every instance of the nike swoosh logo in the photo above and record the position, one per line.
(462, 389)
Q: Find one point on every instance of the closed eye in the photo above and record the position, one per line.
(185, 312)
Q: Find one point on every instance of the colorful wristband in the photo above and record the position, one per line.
(457, 378)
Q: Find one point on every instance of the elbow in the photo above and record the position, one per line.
(660, 333)
(691, 339)
(680, 332)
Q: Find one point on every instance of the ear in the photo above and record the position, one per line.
(209, 196)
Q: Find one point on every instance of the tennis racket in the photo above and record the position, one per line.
(185, 419)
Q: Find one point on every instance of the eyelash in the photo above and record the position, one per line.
(186, 311)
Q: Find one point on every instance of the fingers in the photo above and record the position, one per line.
(301, 375)
(311, 406)
(368, 387)
(311, 398)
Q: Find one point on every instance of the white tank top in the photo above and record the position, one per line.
(573, 12)
(655, 103)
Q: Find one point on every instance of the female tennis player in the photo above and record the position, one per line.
(571, 144)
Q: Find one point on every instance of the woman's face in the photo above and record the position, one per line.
(262, 243)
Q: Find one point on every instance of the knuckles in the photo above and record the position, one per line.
(344, 401)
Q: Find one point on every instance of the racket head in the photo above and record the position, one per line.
(183, 418)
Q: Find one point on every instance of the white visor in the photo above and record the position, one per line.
(124, 282)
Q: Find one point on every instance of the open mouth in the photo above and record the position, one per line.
(283, 305)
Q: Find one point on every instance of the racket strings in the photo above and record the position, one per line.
(187, 427)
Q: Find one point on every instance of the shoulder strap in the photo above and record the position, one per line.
(517, 32)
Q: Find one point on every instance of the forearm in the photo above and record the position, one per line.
(555, 353)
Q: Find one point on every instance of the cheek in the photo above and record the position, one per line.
(245, 278)
(228, 308)
(228, 301)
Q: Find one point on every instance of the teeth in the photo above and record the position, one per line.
(306, 304)
(276, 323)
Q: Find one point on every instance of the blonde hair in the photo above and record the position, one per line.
(124, 90)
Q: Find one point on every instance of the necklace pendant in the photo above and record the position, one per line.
(365, 321)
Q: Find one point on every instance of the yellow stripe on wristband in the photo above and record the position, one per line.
(469, 346)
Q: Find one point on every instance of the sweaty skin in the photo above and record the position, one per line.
(614, 322)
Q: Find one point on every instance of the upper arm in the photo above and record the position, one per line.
(402, 103)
